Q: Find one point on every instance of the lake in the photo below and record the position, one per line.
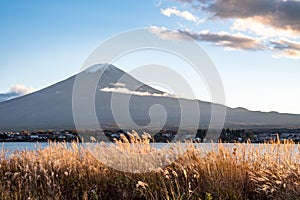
(13, 146)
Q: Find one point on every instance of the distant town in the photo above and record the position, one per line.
(227, 135)
(198, 136)
(40, 136)
(260, 135)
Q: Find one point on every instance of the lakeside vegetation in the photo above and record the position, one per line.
(271, 171)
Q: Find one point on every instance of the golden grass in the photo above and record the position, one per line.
(270, 171)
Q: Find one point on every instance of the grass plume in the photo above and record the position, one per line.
(242, 171)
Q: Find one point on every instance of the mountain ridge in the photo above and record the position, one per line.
(51, 107)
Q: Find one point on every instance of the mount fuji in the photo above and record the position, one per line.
(52, 107)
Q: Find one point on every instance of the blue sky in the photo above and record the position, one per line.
(43, 42)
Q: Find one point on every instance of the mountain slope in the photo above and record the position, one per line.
(51, 108)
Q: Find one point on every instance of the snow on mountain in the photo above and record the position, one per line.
(98, 67)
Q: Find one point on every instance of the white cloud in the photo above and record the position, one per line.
(288, 53)
(255, 26)
(261, 21)
(16, 91)
(230, 41)
(167, 34)
(123, 90)
(283, 48)
(237, 41)
(183, 14)
(21, 89)
(286, 48)
(280, 14)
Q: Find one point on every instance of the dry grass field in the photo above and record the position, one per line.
(270, 171)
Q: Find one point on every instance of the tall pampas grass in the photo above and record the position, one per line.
(100, 171)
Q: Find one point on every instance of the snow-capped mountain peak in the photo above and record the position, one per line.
(98, 67)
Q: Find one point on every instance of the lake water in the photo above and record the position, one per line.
(13, 146)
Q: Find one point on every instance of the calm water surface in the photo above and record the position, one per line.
(13, 146)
